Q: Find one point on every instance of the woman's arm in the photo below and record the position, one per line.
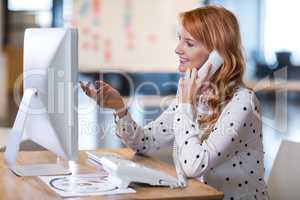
(144, 140)
(150, 138)
(224, 141)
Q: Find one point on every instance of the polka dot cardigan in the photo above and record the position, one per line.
(230, 159)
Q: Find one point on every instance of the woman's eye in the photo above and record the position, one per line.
(190, 44)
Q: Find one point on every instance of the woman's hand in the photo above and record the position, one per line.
(190, 85)
(106, 96)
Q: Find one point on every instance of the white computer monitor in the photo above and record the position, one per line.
(48, 110)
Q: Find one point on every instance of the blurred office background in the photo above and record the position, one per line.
(122, 40)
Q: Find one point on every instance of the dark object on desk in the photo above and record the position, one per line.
(283, 59)
(282, 69)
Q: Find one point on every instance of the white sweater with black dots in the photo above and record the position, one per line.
(230, 159)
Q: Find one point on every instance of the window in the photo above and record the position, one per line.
(281, 29)
(41, 10)
(29, 5)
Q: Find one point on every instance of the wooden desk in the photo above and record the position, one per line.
(13, 187)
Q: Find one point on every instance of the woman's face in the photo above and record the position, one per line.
(190, 51)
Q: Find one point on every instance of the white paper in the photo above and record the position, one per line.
(84, 185)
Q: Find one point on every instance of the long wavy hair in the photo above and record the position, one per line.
(217, 28)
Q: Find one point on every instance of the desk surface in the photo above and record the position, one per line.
(13, 187)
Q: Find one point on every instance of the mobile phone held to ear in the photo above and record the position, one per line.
(215, 59)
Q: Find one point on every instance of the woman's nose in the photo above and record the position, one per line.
(178, 50)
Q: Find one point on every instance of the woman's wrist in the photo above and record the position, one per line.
(121, 109)
(121, 112)
(185, 100)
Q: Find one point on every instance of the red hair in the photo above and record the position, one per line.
(217, 28)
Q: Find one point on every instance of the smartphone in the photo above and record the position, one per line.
(215, 59)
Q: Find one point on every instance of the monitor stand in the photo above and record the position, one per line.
(15, 138)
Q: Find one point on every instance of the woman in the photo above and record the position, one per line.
(215, 127)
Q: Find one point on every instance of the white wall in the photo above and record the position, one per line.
(140, 36)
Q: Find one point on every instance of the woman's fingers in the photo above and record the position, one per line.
(100, 83)
(187, 74)
(102, 94)
(202, 81)
(102, 87)
(194, 73)
(82, 85)
(180, 87)
(88, 90)
(206, 77)
(181, 83)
